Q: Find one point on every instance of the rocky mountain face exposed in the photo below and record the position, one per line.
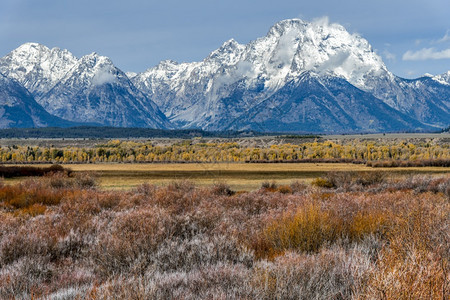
(94, 90)
(300, 77)
(19, 109)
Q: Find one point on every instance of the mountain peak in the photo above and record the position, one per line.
(36, 66)
(443, 78)
(294, 46)
(168, 62)
(31, 46)
(281, 27)
(230, 43)
(228, 53)
(94, 58)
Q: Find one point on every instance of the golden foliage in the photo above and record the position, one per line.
(381, 153)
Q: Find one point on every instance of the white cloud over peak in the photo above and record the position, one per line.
(426, 54)
(322, 21)
(103, 77)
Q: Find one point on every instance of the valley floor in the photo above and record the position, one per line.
(240, 176)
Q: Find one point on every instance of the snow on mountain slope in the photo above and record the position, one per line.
(234, 82)
(443, 78)
(235, 78)
(424, 99)
(19, 109)
(37, 67)
(90, 89)
(94, 90)
(190, 93)
(317, 103)
(293, 46)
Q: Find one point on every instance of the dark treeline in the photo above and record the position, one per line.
(116, 132)
(408, 163)
(20, 171)
(307, 160)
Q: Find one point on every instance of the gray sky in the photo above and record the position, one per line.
(412, 36)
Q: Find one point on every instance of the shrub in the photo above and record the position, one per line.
(330, 274)
(284, 189)
(298, 187)
(307, 230)
(323, 183)
(368, 223)
(269, 186)
(34, 210)
(222, 189)
(27, 194)
(386, 239)
(350, 180)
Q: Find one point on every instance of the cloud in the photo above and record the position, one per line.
(335, 61)
(389, 56)
(322, 21)
(103, 77)
(286, 48)
(445, 38)
(426, 54)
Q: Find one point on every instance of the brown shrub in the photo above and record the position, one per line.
(323, 183)
(284, 189)
(222, 189)
(185, 241)
(307, 230)
(408, 163)
(298, 187)
(269, 186)
(27, 194)
(350, 180)
(415, 263)
(33, 210)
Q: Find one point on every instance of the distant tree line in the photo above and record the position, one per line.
(115, 132)
(198, 151)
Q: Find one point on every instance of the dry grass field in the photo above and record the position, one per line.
(240, 176)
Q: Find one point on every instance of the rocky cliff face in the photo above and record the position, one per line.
(94, 90)
(19, 109)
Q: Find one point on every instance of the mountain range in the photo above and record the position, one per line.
(300, 77)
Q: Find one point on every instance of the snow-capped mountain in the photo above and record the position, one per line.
(90, 89)
(424, 99)
(189, 93)
(324, 104)
(443, 78)
(235, 79)
(301, 76)
(19, 109)
(94, 90)
(37, 67)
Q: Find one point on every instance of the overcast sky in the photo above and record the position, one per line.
(412, 36)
